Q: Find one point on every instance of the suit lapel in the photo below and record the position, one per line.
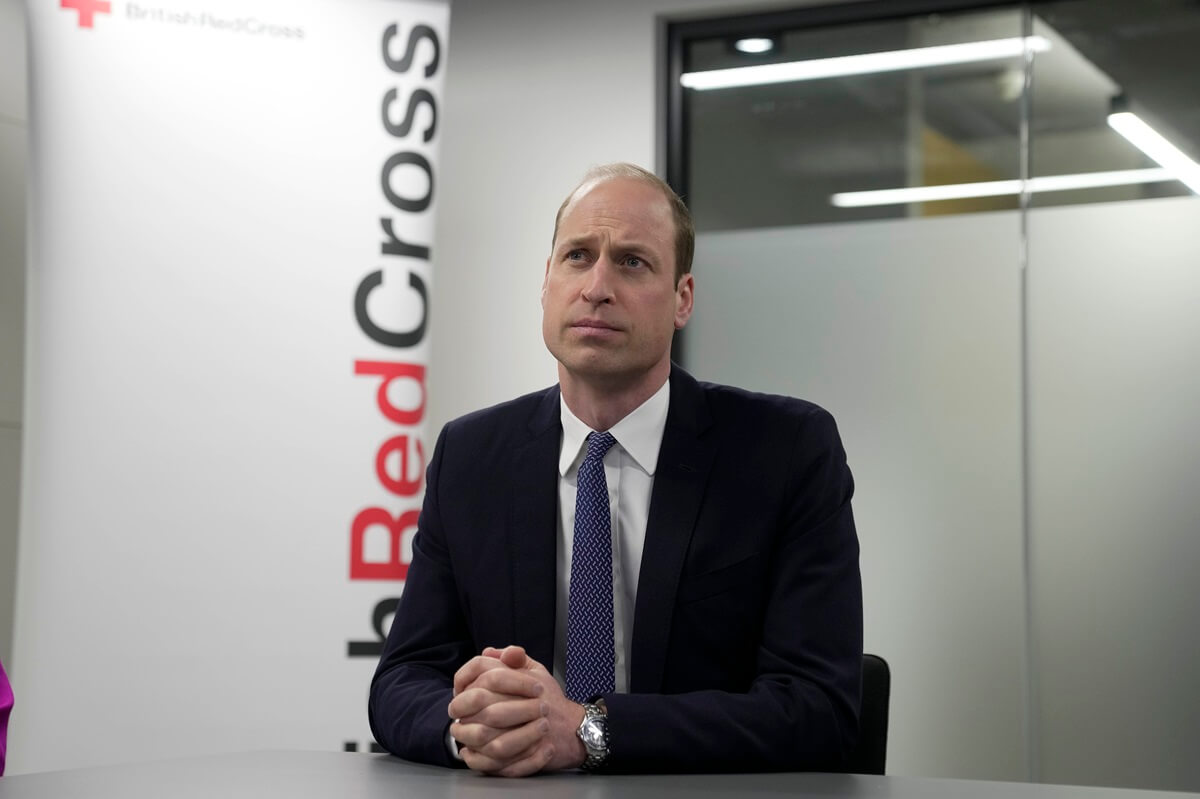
(684, 462)
(533, 531)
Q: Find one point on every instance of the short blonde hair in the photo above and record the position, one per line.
(685, 230)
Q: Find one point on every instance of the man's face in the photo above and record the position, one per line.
(610, 300)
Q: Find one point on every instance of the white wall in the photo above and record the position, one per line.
(13, 149)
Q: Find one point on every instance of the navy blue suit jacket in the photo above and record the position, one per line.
(747, 640)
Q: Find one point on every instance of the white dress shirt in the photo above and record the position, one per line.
(629, 471)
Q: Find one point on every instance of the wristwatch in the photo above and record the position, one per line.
(593, 731)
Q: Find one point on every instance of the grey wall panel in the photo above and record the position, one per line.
(1115, 491)
(909, 333)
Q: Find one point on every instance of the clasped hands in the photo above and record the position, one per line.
(512, 718)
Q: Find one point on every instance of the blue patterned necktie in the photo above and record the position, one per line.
(591, 654)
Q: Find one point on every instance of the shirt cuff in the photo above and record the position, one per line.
(452, 745)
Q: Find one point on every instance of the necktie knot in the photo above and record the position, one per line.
(598, 444)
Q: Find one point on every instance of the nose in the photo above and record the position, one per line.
(597, 288)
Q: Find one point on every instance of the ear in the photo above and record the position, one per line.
(684, 296)
(545, 282)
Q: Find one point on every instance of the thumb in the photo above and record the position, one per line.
(514, 657)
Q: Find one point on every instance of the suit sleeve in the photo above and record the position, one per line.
(800, 711)
(428, 641)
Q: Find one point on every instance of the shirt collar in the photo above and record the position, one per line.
(640, 433)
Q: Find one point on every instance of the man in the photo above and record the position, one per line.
(677, 558)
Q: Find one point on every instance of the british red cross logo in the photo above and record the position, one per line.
(88, 9)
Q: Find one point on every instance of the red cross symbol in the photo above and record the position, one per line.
(87, 9)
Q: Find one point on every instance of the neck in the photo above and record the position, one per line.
(601, 404)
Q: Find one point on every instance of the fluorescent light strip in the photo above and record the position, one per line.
(1152, 143)
(1099, 180)
(863, 64)
(997, 188)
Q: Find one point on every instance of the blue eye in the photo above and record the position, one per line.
(633, 260)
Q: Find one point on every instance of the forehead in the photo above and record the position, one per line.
(621, 205)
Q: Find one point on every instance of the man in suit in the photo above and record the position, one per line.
(632, 570)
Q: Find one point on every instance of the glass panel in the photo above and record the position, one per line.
(769, 155)
(908, 331)
(1013, 426)
(1112, 55)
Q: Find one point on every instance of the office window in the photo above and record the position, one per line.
(806, 117)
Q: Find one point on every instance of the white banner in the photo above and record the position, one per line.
(232, 207)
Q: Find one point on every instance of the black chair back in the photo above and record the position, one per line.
(870, 757)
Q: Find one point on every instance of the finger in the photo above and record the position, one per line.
(509, 748)
(534, 666)
(471, 670)
(509, 681)
(514, 657)
(484, 694)
(472, 701)
(536, 762)
(511, 713)
(513, 744)
(473, 736)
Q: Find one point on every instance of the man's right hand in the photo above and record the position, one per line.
(500, 717)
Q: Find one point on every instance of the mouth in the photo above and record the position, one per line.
(591, 326)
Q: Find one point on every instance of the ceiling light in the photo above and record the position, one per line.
(863, 64)
(754, 45)
(997, 188)
(1152, 143)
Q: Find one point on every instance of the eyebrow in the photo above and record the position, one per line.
(638, 246)
(575, 242)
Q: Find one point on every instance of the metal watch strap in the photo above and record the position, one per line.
(594, 715)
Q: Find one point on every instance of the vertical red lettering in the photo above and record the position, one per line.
(395, 567)
(391, 371)
(399, 485)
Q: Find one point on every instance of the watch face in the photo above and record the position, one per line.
(592, 734)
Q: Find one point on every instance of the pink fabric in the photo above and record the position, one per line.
(6, 703)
